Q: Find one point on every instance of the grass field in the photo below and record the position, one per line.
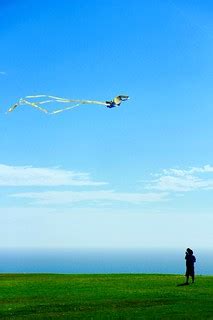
(118, 296)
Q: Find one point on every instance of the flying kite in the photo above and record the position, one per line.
(39, 100)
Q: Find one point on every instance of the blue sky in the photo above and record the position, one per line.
(140, 175)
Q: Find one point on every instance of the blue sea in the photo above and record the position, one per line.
(102, 261)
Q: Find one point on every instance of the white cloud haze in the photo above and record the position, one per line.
(31, 176)
(160, 188)
(69, 197)
(177, 180)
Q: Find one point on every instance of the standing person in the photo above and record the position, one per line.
(190, 260)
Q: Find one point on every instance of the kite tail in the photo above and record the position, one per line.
(64, 109)
(45, 99)
(34, 105)
(13, 107)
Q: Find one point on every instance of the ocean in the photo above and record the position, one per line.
(102, 261)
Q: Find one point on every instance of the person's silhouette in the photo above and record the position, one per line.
(190, 260)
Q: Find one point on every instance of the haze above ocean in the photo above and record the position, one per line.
(102, 261)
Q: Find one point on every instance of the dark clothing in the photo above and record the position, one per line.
(190, 260)
(190, 272)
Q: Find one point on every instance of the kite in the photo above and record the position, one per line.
(38, 101)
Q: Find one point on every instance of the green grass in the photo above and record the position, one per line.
(117, 296)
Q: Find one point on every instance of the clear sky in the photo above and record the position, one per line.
(140, 175)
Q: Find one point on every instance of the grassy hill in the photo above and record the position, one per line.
(117, 296)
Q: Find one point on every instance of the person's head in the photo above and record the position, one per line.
(189, 251)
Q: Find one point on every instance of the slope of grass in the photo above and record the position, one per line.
(118, 296)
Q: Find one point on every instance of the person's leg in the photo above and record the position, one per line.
(187, 278)
(193, 277)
